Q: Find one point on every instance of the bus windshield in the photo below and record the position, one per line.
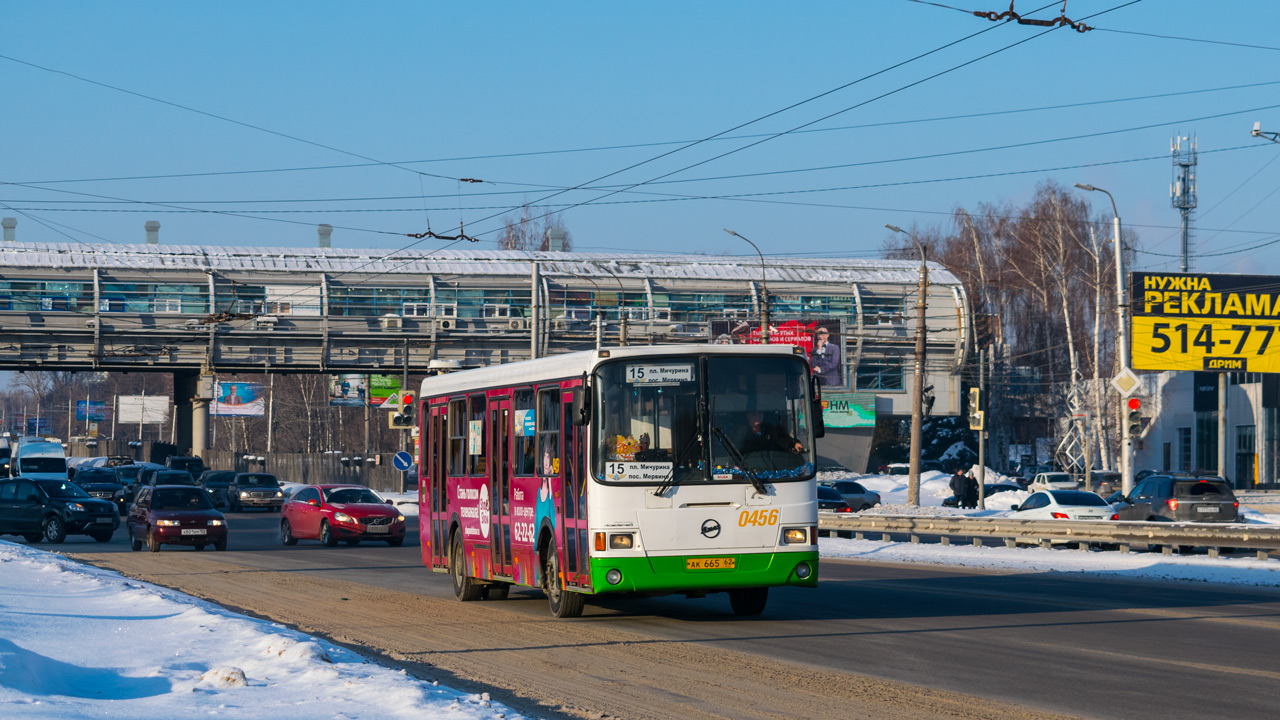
(714, 419)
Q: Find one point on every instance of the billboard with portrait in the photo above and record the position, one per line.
(239, 399)
(821, 338)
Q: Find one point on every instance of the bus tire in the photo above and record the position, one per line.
(748, 601)
(564, 604)
(463, 588)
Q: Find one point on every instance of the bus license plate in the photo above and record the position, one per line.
(716, 563)
(194, 531)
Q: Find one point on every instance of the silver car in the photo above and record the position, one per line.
(1053, 481)
(858, 497)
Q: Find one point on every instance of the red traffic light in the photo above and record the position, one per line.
(406, 398)
(1134, 403)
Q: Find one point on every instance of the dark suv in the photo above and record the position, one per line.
(216, 482)
(191, 464)
(1180, 499)
(1105, 482)
(53, 509)
(254, 490)
(102, 483)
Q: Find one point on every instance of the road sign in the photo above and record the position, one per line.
(1125, 382)
(1206, 322)
(402, 461)
(392, 402)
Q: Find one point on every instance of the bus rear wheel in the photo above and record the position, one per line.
(564, 604)
(748, 601)
(463, 588)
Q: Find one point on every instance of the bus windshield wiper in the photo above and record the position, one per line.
(670, 479)
(742, 461)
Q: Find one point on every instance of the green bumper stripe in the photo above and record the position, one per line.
(658, 574)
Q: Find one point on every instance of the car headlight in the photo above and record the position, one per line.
(244, 494)
(343, 518)
(75, 507)
(399, 518)
(118, 493)
(215, 523)
(279, 494)
(168, 523)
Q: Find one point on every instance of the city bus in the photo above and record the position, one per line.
(647, 470)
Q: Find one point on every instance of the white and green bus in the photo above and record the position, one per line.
(649, 470)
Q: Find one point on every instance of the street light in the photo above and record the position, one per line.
(1122, 339)
(913, 480)
(1259, 132)
(764, 289)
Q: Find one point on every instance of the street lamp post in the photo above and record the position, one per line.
(917, 396)
(764, 290)
(1122, 338)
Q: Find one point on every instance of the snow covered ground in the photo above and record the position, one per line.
(78, 642)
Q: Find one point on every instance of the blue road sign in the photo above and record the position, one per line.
(402, 461)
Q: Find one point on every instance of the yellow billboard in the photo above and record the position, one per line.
(1216, 323)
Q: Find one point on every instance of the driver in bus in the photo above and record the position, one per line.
(762, 436)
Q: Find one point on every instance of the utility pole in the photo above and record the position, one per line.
(1122, 338)
(917, 395)
(1182, 191)
(982, 434)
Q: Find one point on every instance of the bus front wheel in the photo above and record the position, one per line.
(564, 604)
(463, 588)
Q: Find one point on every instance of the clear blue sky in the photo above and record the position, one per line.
(415, 81)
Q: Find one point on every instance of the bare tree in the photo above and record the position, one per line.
(527, 230)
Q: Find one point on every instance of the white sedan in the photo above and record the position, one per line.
(1064, 505)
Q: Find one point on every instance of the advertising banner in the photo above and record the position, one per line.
(382, 387)
(1205, 322)
(347, 390)
(239, 399)
(93, 410)
(821, 338)
(145, 409)
(37, 426)
(849, 410)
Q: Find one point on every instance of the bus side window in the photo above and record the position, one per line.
(549, 432)
(476, 437)
(526, 445)
(457, 423)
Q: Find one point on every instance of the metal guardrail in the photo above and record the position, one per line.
(1124, 535)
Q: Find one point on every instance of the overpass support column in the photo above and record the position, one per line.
(192, 392)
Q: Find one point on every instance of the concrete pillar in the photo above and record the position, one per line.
(324, 231)
(9, 224)
(199, 427)
(191, 423)
(555, 240)
(153, 232)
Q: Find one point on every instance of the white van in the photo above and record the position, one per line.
(39, 460)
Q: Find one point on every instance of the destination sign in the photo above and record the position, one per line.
(659, 374)
(1216, 323)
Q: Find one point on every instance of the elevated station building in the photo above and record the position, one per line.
(197, 311)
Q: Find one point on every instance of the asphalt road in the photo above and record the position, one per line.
(1089, 647)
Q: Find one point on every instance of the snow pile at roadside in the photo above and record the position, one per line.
(78, 642)
(934, 488)
(1146, 566)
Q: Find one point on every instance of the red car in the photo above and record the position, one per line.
(175, 515)
(330, 513)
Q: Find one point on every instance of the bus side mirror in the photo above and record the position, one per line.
(815, 408)
(580, 407)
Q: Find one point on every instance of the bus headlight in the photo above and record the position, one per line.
(795, 536)
(613, 577)
(621, 541)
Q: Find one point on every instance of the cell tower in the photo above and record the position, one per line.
(1182, 190)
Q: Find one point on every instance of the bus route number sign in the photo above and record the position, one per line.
(659, 374)
(1215, 323)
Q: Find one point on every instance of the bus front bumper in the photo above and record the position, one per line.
(679, 573)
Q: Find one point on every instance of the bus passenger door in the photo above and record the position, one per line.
(433, 524)
(573, 484)
(499, 465)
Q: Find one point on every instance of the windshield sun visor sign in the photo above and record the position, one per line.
(659, 374)
(1205, 322)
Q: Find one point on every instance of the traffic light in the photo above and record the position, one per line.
(406, 417)
(976, 415)
(1133, 418)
